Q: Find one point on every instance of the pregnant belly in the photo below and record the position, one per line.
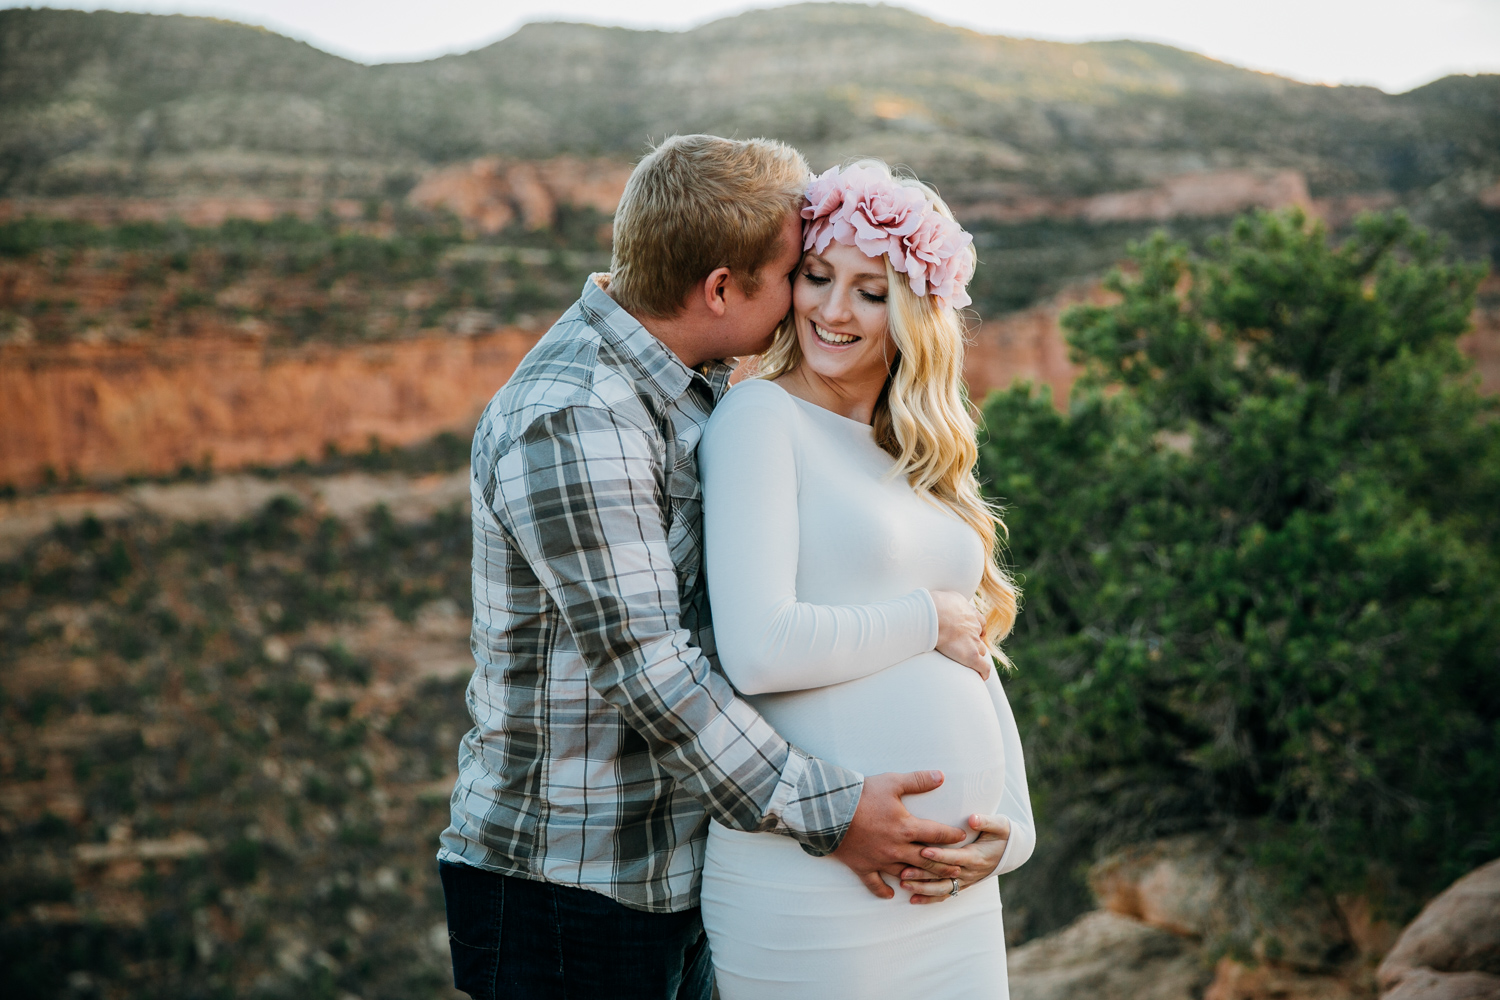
(925, 713)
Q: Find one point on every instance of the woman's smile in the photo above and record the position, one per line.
(831, 338)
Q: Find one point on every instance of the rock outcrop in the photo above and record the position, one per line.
(490, 194)
(1194, 887)
(109, 411)
(1196, 194)
(1425, 984)
(1028, 345)
(1452, 950)
(1170, 908)
(1106, 956)
(1238, 981)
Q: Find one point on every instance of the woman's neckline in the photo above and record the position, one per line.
(825, 410)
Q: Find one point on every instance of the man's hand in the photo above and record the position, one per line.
(883, 836)
(975, 862)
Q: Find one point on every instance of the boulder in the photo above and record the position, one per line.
(1425, 984)
(1106, 956)
(1457, 933)
(1236, 981)
(1194, 885)
(1175, 884)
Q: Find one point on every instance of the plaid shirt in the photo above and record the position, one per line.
(604, 732)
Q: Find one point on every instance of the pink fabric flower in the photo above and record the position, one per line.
(937, 260)
(865, 208)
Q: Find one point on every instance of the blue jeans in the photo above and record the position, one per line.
(515, 938)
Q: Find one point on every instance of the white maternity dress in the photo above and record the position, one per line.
(820, 567)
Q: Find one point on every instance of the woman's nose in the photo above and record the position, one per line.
(837, 307)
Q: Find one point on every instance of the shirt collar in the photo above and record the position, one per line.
(662, 369)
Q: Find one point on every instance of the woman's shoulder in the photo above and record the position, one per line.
(753, 416)
(755, 400)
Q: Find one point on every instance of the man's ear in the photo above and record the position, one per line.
(715, 289)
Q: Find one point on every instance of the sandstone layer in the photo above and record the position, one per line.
(1028, 345)
(111, 410)
(115, 410)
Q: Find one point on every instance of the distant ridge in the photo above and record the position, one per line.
(103, 102)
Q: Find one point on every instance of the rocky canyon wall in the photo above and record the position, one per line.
(106, 411)
(492, 193)
(1027, 346)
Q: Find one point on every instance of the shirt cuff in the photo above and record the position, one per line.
(814, 802)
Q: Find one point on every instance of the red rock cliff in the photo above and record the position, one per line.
(105, 411)
(112, 410)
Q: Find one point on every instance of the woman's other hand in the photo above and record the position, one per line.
(976, 861)
(961, 632)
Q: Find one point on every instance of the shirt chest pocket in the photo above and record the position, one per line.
(685, 532)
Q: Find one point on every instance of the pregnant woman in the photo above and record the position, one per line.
(840, 501)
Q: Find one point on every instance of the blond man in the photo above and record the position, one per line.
(605, 735)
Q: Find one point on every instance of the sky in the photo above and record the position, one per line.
(1391, 44)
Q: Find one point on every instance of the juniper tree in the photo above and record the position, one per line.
(1261, 558)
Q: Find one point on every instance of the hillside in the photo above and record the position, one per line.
(227, 749)
(128, 103)
(252, 298)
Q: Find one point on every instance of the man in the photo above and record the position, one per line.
(604, 734)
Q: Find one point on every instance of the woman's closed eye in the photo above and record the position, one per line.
(823, 279)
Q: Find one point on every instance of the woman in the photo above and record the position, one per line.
(840, 504)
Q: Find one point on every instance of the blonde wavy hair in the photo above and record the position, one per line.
(924, 421)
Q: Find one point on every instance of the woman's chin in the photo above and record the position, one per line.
(828, 369)
(837, 363)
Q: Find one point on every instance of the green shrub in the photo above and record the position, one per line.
(1261, 560)
(242, 860)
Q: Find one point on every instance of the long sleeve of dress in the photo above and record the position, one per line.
(767, 639)
(1015, 803)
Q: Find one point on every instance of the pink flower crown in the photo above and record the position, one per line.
(865, 207)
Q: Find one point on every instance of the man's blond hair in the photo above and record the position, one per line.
(697, 203)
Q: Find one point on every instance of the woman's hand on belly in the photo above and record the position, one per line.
(961, 632)
(883, 836)
(976, 862)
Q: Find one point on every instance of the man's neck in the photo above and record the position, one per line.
(682, 338)
(681, 342)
